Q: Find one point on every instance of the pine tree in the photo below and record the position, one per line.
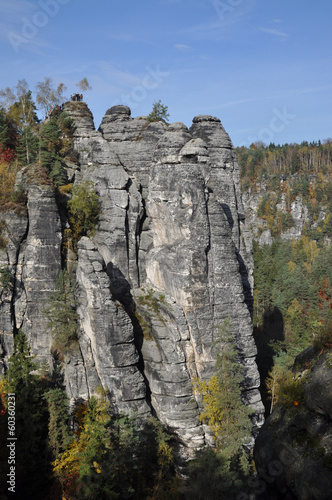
(224, 410)
(58, 427)
(159, 112)
(21, 366)
(62, 314)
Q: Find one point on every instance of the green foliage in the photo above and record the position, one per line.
(291, 391)
(109, 458)
(224, 411)
(294, 279)
(59, 435)
(159, 112)
(8, 132)
(32, 464)
(5, 278)
(210, 477)
(55, 146)
(62, 315)
(84, 210)
(20, 364)
(27, 150)
(323, 341)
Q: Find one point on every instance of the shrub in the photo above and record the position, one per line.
(84, 211)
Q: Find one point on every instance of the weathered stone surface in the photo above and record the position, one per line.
(109, 331)
(15, 228)
(38, 267)
(298, 441)
(81, 115)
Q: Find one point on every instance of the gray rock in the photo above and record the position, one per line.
(37, 269)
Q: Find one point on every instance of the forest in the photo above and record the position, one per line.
(86, 451)
(293, 279)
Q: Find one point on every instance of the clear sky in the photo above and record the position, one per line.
(262, 66)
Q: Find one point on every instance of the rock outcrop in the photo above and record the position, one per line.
(293, 451)
(170, 260)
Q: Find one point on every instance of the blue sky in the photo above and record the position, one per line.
(262, 66)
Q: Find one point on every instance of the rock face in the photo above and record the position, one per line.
(33, 258)
(169, 261)
(259, 227)
(294, 447)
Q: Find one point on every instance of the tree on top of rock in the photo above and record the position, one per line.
(84, 85)
(159, 112)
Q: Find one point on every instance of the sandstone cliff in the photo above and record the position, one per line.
(169, 261)
(293, 450)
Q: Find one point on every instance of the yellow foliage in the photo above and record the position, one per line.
(66, 188)
(212, 412)
(7, 181)
(291, 266)
(68, 462)
(309, 246)
(97, 467)
(307, 266)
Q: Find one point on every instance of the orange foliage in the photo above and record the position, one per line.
(81, 411)
(6, 155)
(7, 181)
(325, 297)
(3, 397)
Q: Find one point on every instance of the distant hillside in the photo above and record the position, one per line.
(288, 190)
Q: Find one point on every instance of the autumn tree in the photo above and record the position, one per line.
(224, 410)
(110, 458)
(84, 85)
(48, 97)
(23, 111)
(7, 98)
(21, 115)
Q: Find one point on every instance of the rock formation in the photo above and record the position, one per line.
(293, 450)
(169, 261)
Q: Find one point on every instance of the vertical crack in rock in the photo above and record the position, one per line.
(38, 267)
(16, 229)
(109, 330)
